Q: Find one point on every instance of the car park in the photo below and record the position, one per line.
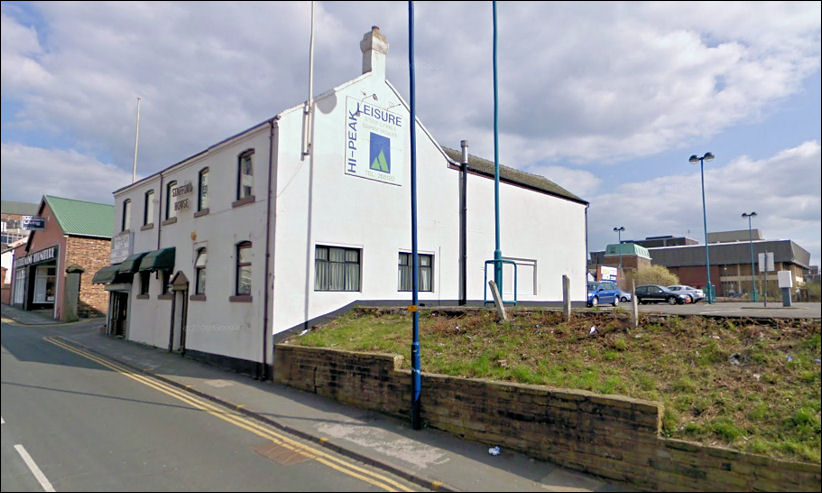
(603, 292)
(695, 294)
(625, 296)
(652, 293)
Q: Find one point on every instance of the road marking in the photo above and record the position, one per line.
(241, 421)
(38, 474)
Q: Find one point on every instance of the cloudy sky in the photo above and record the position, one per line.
(607, 99)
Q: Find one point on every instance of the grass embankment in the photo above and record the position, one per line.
(752, 385)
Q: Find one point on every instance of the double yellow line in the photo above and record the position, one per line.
(237, 419)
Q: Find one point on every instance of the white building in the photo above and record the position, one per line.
(257, 237)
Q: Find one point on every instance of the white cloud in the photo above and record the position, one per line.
(784, 190)
(29, 173)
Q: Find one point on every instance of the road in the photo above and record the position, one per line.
(74, 422)
(737, 309)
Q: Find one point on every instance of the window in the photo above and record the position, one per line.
(144, 278)
(148, 208)
(202, 190)
(243, 277)
(245, 175)
(165, 277)
(336, 269)
(126, 215)
(200, 272)
(171, 212)
(424, 272)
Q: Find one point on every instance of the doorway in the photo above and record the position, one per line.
(179, 313)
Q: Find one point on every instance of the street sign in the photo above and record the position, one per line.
(766, 262)
(34, 223)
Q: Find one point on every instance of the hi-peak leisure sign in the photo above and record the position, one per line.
(374, 142)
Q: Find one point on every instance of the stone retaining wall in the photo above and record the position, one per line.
(611, 436)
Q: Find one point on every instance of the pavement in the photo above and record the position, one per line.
(429, 458)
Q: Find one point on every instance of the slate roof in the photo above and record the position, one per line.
(81, 218)
(528, 180)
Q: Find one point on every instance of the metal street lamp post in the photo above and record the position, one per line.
(693, 159)
(619, 231)
(750, 236)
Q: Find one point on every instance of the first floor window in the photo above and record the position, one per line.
(243, 277)
(148, 208)
(170, 210)
(425, 264)
(126, 215)
(200, 272)
(336, 269)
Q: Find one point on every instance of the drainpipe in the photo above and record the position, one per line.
(463, 223)
(269, 285)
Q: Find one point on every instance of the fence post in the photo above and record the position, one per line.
(634, 308)
(566, 298)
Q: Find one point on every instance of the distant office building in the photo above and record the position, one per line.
(730, 258)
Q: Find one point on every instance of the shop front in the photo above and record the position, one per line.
(35, 279)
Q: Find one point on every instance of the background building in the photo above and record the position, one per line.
(730, 257)
(77, 235)
(11, 221)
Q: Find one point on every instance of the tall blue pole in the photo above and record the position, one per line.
(497, 250)
(705, 225)
(415, 344)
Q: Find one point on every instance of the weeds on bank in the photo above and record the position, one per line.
(752, 385)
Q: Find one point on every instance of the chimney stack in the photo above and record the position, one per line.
(374, 47)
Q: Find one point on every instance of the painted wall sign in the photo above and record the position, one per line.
(374, 142)
(36, 257)
(181, 203)
(120, 247)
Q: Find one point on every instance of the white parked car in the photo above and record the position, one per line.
(695, 294)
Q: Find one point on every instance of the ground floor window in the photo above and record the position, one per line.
(45, 284)
(425, 265)
(336, 269)
(144, 278)
(19, 286)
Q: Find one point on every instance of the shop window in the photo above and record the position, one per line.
(336, 269)
(243, 270)
(200, 271)
(202, 190)
(148, 208)
(44, 284)
(245, 175)
(126, 215)
(171, 212)
(19, 286)
(425, 264)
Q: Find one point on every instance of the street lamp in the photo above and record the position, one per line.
(750, 235)
(619, 231)
(693, 159)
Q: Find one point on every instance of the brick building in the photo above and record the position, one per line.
(77, 234)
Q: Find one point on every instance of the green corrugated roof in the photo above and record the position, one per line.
(81, 218)
(530, 180)
(627, 249)
(22, 208)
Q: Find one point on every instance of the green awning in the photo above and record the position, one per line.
(106, 274)
(158, 260)
(130, 265)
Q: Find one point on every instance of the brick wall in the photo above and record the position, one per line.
(611, 436)
(92, 254)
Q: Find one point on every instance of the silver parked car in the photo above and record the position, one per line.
(695, 294)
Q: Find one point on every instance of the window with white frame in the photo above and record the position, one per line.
(336, 269)
(425, 272)
(202, 190)
(200, 271)
(245, 175)
(148, 208)
(170, 210)
(243, 270)
(126, 215)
